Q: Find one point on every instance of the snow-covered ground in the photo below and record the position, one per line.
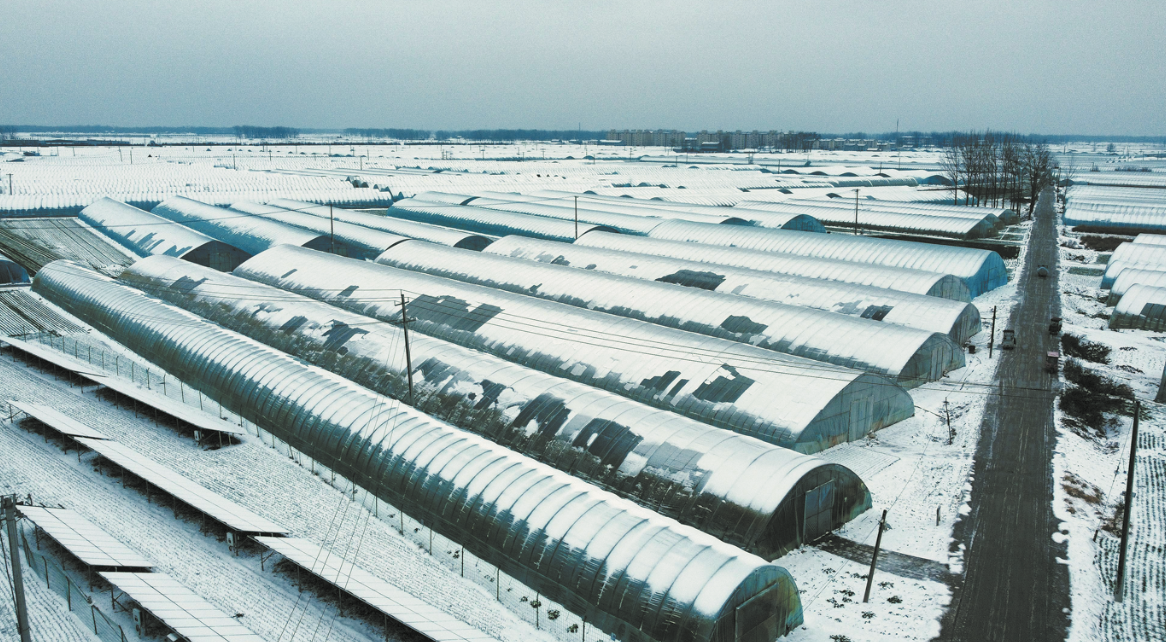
(1091, 467)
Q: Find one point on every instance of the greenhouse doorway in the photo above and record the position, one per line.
(819, 515)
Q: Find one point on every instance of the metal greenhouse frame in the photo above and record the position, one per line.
(629, 571)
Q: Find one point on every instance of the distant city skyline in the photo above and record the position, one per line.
(1033, 67)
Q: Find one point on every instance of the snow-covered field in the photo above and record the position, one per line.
(1091, 467)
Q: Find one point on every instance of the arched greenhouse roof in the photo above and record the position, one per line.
(1133, 255)
(250, 233)
(896, 278)
(980, 270)
(778, 398)
(1135, 276)
(625, 568)
(907, 355)
(147, 234)
(420, 231)
(490, 222)
(958, 320)
(737, 488)
(1142, 307)
(351, 240)
(11, 272)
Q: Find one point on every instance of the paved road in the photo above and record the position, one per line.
(1013, 587)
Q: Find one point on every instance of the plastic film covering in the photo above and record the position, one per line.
(490, 222)
(630, 571)
(146, 234)
(1142, 307)
(1135, 276)
(737, 488)
(956, 319)
(1116, 217)
(893, 278)
(420, 231)
(882, 220)
(11, 273)
(250, 233)
(350, 240)
(444, 197)
(1133, 255)
(1150, 239)
(641, 223)
(781, 399)
(681, 211)
(908, 355)
(980, 270)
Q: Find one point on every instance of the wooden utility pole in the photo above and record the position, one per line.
(576, 217)
(9, 503)
(874, 558)
(332, 229)
(992, 338)
(408, 355)
(950, 432)
(1119, 585)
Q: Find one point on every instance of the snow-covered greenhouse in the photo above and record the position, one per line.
(11, 273)
(250, 233)
(934, 284)
(1130, 277)
(743, 388)
(491, 222)
(882, 219)
(739, 489)
(908, 355)
(1142, 307)
(956, 319)
(350, 240)
(626, 569)
(980, 270)
(147, 234)
(412, 229)
(1133, 255)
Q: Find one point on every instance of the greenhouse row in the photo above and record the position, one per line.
(958, 320)
(739, 387)
(907, 355)
(630, 571)
(734, 487)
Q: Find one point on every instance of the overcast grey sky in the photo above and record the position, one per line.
(1094, 67)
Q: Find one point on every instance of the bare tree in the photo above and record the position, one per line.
(952, 164)
(1038, 171)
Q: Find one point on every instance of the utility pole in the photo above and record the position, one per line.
(992, 338)
(950, 432)
(10, 192)
(856, 212)
(17, 578)
(576, 217)
(1119, 585)
(331, 228)
(408, 355)
(874, 558)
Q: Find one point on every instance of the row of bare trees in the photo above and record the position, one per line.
(997, 169)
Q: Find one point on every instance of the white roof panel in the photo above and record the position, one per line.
(84, 539)
(429, 621)
(180, 609)
(175, 409)
(56, 420)
(234, 516)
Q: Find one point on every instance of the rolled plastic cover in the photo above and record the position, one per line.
(733, 487)
(630, 571)
(421, 231)
(980, 270)
(893, 278)
(907, 355)
(958, 320)
(781, 399)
